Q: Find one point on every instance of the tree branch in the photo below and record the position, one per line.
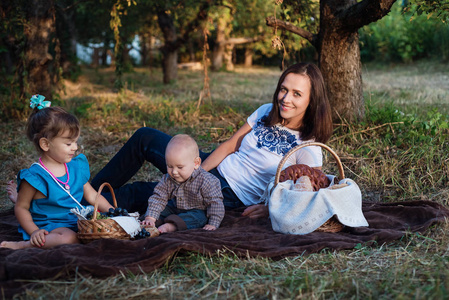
(272, 22)
(363, 13)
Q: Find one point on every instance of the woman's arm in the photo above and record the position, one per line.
(226, 148)
(90, 194)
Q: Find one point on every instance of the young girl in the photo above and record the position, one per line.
(57, 183)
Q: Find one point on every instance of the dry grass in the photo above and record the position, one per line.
(412, 88)
(386, 167)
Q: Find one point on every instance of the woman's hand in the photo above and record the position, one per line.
(256, 211)
(37, 238)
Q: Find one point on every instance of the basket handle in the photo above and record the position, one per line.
(293, 150)
(94, 217)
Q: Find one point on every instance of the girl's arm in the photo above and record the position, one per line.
(22, 207)
(226, 148)
(90, 193)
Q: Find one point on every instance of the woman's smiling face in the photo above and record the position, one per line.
(293, 99)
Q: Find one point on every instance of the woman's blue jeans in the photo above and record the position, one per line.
(146, 144)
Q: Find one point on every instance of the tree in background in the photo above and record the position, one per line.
(34, 42)
(222, 17)
(38, 38)
(93, 28)
(67, 34)
(174, 16)
(337, 43)
(238, 23)
(438, 9)
(405, 37)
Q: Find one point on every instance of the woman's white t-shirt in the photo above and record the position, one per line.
(249, 169)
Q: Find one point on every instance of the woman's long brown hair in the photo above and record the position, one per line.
(317, 121)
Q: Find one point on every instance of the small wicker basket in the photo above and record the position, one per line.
(331, 225)
(91, 230)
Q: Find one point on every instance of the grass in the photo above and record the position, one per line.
(412, 268)
(411, 88)
(399, 152)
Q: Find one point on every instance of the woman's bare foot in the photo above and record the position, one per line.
(11, 189)
(16, 245)
(167, 227)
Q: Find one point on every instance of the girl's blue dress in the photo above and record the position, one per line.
(53, 211)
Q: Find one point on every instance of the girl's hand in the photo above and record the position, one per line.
(37, 238)
(209, 227)
(149, 221)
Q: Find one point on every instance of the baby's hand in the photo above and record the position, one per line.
(209, 227)
(37, 238)
(149, 221)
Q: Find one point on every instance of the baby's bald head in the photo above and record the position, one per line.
(183, 143)
(182, 157)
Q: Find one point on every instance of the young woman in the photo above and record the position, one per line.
(245, 163)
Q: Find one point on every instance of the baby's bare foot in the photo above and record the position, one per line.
(11, 189)
(167, 227)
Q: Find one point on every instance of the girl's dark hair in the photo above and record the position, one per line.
(48, 123)
(317, 122)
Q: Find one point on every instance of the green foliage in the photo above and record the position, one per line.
(411, 130)
(406, 152)
(400, 37)
(432, 8)
(12, 72)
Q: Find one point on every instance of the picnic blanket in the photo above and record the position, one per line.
(240, 235)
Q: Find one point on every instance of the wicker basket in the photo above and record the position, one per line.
(331, 225)
(91, 230)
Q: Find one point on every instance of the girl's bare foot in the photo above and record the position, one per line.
(16, 245)
(11, 189)
(167, 227)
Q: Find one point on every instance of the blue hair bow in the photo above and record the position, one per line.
(38, 101)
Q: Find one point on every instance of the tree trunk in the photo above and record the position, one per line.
(191, 50)
(38, 32)
(95, 58)
(105, 53)
(67, 35)
(340, 64)
(248, 57)
(169, 50)
(151, 52)
(170, 66)
(219, 48)
(144, 49)
(229, 49)
(342, 71)
(337, 44)
(126, 57)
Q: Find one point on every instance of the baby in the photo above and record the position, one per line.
(188, 196)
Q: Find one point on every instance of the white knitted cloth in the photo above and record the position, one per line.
(297, 212)
(129, 224)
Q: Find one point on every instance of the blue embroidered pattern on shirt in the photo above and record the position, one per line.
(273, 138)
